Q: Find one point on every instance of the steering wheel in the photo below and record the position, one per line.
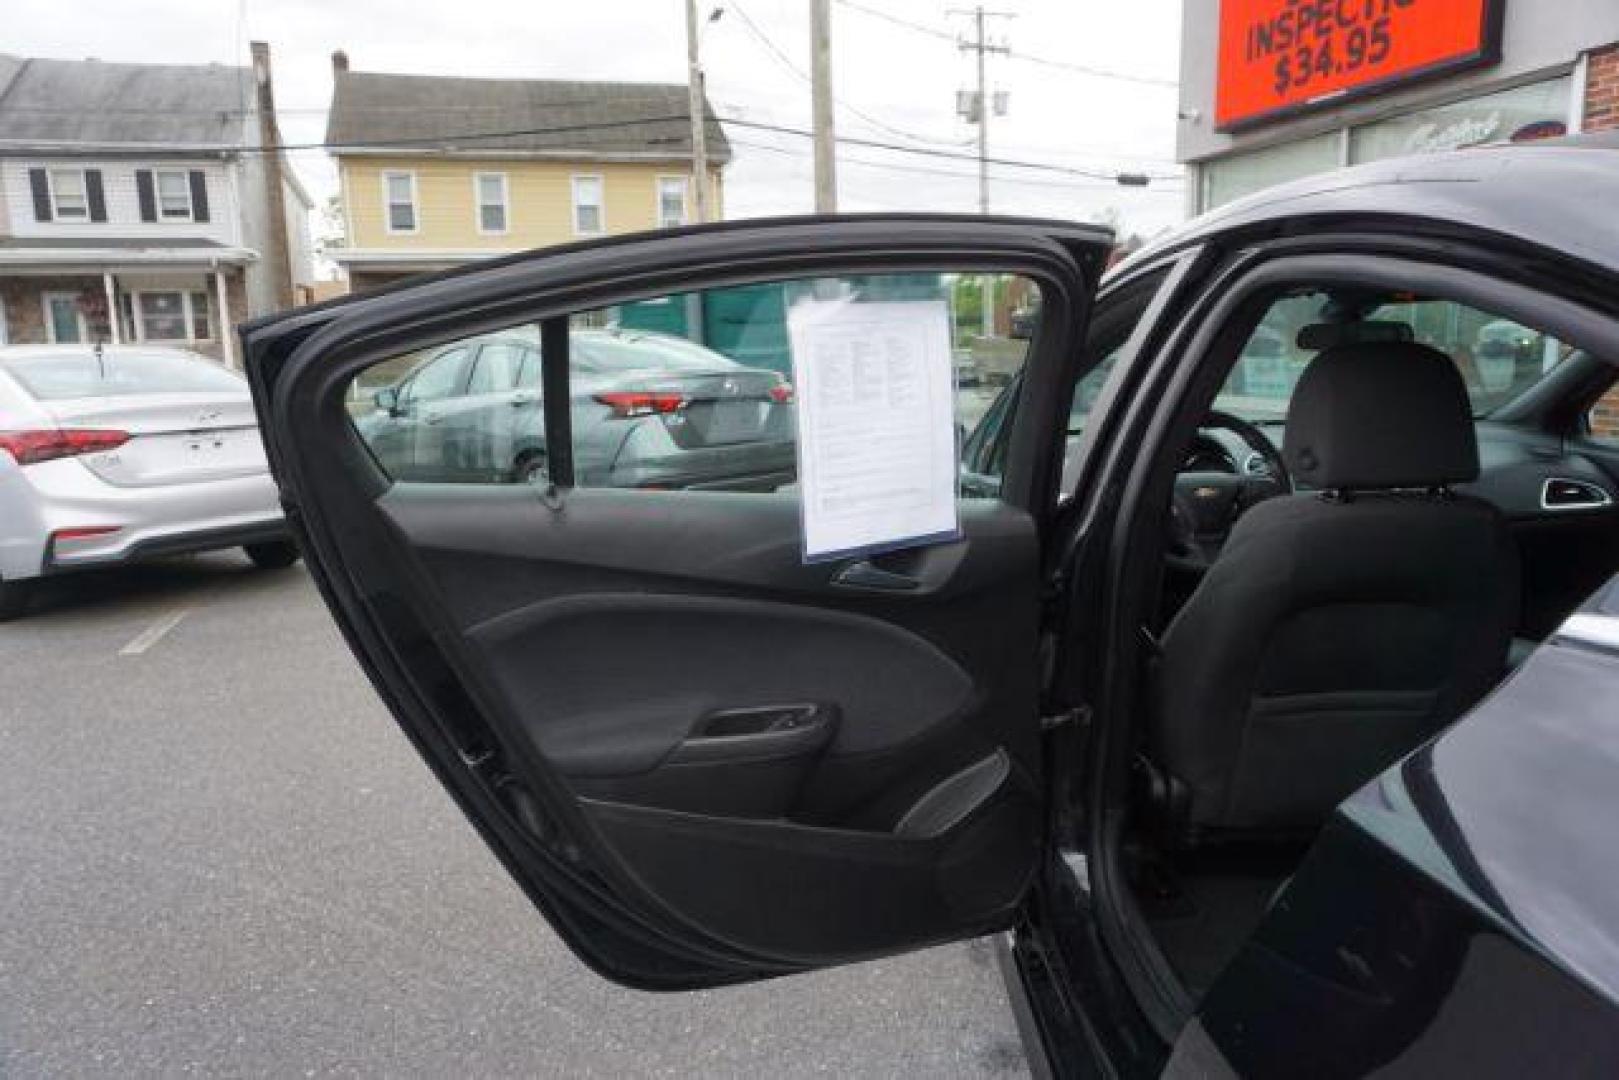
(1206, 504)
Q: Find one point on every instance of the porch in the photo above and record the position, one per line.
(158, 297)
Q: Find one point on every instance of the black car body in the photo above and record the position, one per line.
(948, 741)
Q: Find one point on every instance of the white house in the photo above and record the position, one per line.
(138, 203)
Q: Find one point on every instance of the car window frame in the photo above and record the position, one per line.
(1103, 341)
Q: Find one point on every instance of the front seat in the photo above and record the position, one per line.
(1340, 626)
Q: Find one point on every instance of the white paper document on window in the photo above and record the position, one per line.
(876, 424)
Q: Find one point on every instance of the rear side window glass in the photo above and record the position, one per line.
(1497, 358)
(115, 374)
(691, 391)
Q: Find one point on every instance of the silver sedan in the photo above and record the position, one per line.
(120, 453)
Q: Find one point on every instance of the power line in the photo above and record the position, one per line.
(682, 118)
(737, 110)
(1011, 162)
(384, 144)
(232, 114)
(1090, 174)
(923, 170)
(944, 35)
(1099, 73)
(786, 62)
(1015, 54)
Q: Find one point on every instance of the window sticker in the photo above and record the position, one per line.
(877, 443)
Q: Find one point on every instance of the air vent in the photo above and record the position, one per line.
(1256, 465)
(1558, 493)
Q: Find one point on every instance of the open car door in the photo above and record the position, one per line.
(705, 752)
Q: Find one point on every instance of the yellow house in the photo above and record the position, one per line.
(437, 171)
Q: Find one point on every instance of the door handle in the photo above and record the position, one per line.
(865, 575)
(761, 733)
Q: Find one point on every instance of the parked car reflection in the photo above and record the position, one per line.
(648, 410)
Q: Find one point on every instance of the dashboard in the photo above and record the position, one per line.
(1526, 474)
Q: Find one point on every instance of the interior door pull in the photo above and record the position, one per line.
(863, 575)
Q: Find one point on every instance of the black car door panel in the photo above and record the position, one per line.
(647, 666)
(703, 756)
(574, 631)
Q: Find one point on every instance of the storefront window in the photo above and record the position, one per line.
(1519, 114)
(1233, 177)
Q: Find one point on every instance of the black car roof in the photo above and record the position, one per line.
(1561, 194)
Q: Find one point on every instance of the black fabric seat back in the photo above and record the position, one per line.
(1339, 629)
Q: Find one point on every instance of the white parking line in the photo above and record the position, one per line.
(154, 633)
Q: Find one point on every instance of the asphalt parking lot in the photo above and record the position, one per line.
(219, 856)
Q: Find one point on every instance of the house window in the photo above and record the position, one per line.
(201, 328)
(68, 199)
(588, 218)
(63, 322)
(490, 189)
(399, 195)
(172, 315)
(173, 194)
(671, 201)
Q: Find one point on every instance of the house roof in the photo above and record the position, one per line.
(431, 113)
(92, 103)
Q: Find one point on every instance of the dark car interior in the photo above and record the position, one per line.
(708, 757)
(1392, 501)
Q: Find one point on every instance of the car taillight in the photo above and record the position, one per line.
(781, 393)
(33, 447)
(642, 402)
(83, 532)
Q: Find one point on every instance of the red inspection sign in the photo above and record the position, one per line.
(1283, 56)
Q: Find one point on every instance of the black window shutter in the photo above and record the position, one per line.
(42, 194)
(146, 193)
(199, 196)
(96, 194)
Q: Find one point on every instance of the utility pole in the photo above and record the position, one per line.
(699, 124)
(976, 108)
(826, 167)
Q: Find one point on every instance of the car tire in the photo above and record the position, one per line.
(14, 598)
(273, 554)
(531, 469)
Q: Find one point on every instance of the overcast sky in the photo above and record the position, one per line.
(902, 80)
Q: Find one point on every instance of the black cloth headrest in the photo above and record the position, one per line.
(1381, 416)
